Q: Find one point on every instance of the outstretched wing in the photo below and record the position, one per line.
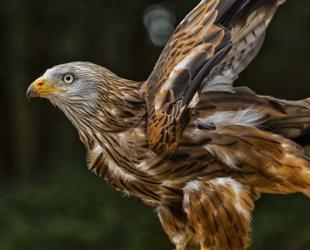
(196, 46)
(248, 36)
(199, 44)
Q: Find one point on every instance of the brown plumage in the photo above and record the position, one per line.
(186, 141)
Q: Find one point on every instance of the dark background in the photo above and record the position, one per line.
(48, 198)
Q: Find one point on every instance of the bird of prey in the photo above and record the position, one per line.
(186, 141)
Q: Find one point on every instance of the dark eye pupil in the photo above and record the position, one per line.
(68, 78)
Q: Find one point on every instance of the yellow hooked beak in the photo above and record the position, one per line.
(41, 88)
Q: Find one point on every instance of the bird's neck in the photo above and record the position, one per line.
(111, 111)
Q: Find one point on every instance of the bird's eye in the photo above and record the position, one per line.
(68, 78)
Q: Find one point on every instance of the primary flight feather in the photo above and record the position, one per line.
(186, 141)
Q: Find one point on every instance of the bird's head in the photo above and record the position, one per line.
(76, 81)
(90, 96)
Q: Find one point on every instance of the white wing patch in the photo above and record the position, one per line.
(247, 117)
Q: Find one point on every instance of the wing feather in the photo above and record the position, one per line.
(216, 41)
(248, 36)
(197, 45)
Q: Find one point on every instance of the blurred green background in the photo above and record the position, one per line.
(48, 198)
